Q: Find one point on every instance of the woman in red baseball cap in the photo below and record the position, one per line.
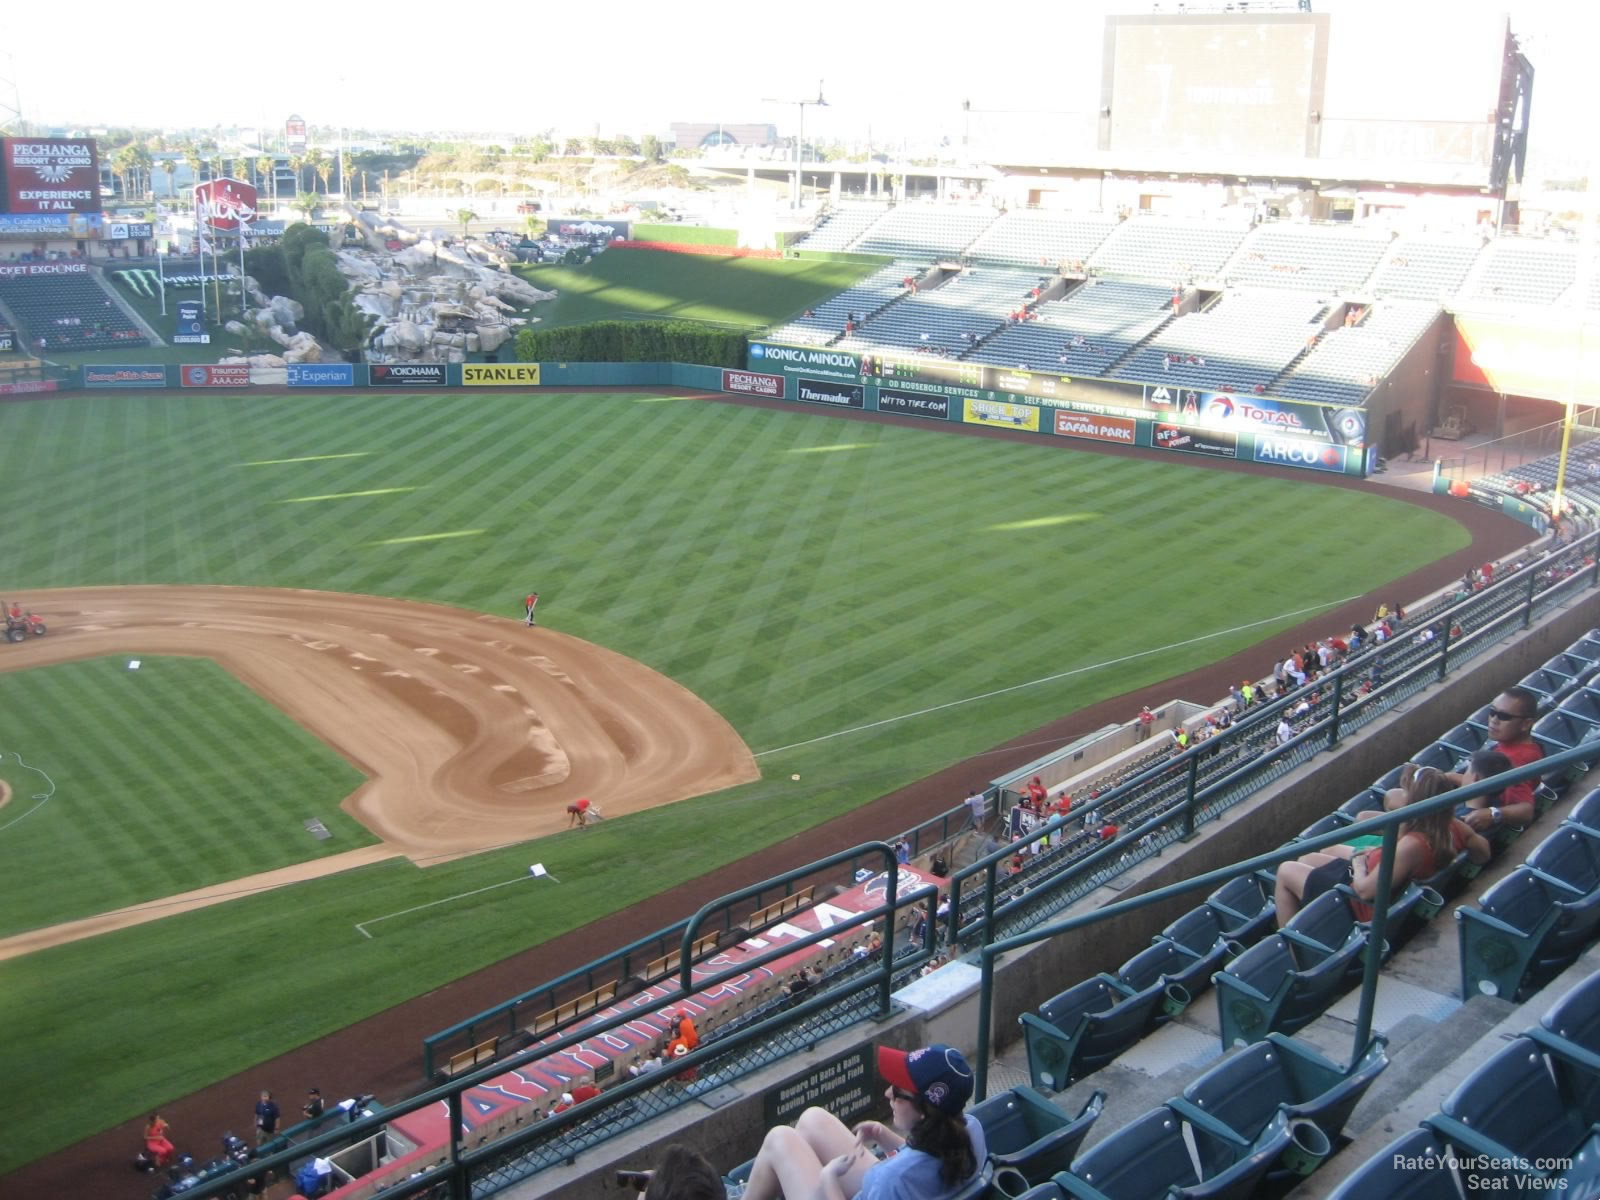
(932, 1149)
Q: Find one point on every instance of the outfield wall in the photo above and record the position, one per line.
(1182, 422)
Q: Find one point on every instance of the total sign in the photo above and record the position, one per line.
(1297, 452)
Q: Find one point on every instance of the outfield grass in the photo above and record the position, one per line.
(805, 576)
(751, 293)
(189, 779)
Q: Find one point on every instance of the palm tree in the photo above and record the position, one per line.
(122, 166)
(143, 161)
(267, 175)
(324, 172)
(297, 164)
(192, 159)
(306, 202)
(314, 160)
(466, 216)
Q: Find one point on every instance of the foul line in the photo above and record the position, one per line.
(361, 925)
(1017, 687)
(42, 799)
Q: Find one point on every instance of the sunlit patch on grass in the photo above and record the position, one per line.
(346, 495)
(830, 449)
(273, 462)
(428, 537)
(1041, 522)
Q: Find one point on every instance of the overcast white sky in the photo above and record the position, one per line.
(891, 65)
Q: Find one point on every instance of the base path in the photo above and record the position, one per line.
(473, 731)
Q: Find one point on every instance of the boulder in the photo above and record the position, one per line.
(266, 360)
(406, 335)
(237, 328)
(492, 337)
(286, 312)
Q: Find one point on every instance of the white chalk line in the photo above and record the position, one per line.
(41, 799)
(361, 925)
(1017, 687)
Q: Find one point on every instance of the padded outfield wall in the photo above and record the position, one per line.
(1182, 421)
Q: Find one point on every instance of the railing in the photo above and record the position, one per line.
(1165, 803)
(1387, 825)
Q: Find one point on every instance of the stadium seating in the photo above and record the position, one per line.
(827, 320)
(69, 312)
(1347, 362)
(1430, 268)
(1032, 1136)
(840, 227)
(1167, 249)
(1084, 333)
(1085, 1027)
(1522, 271)
(1412, 1167)
(948, 318)
(1151, 1156)
(1307, 258)
(1027, 237)
(925, 233)
(1237, 344)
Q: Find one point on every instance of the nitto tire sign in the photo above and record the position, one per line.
(839, 395)
(408, 375)
(914, 404)
(1295, 452)
(750, 383)
(1194, 441)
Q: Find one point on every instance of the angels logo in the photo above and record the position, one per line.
(54, 172)
(223, 203)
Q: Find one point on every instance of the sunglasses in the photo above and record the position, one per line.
(1500, 714)
(899, 1095)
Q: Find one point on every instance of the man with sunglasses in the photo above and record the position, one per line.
(1511, 719)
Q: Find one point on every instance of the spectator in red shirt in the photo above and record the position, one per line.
(1511, 719)
(1038, 795)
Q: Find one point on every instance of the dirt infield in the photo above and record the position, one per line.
(382, 1054)
(474, 731)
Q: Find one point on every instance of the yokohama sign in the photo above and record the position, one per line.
(57, 176)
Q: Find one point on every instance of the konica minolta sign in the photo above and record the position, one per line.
(805, 360)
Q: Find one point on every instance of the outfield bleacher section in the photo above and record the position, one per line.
(1426, 267)
(1085, 332)
(1168, 249)
(1239, 343)
(1027, 237)
(841, 227)
(925, 233)
(1522, 271)
(1348, 362)
(67, 312)
(827, 320)
(1307, 258)
(948, 318)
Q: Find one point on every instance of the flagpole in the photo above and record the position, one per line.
(161, 273)
(200, 242)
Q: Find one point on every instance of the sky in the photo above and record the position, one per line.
(889, 69)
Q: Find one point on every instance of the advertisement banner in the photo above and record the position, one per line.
(1194, 441)
(191, 329)
(8, 341)
(840, 395)
(209, 375)
(1000, 414)
(117, 231)
(294, 134)
(914, 404)
(22, 270)
(27, 386)
(321, 375)
(407, 375)
(1123, 431)
(122, 375)
(223, 203)
(500, 374)
(1297, 452)
(1231, 411)
(66, 225)
(808, 360)
(58, 175)
(751, 383)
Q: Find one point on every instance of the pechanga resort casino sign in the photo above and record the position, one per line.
(60, 175)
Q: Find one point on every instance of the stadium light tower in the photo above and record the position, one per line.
(800, 141)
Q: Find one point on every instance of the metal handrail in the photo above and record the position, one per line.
(1387, 825)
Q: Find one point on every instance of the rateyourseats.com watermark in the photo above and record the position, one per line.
(1487, 1173)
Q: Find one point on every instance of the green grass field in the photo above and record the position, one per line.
(190, 779)
(805, 576)
(748, 293)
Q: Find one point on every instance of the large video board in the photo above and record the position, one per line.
(50, 175)
(1216, 84)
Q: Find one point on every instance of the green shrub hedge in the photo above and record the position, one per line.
(684, 235)
(633, 341)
